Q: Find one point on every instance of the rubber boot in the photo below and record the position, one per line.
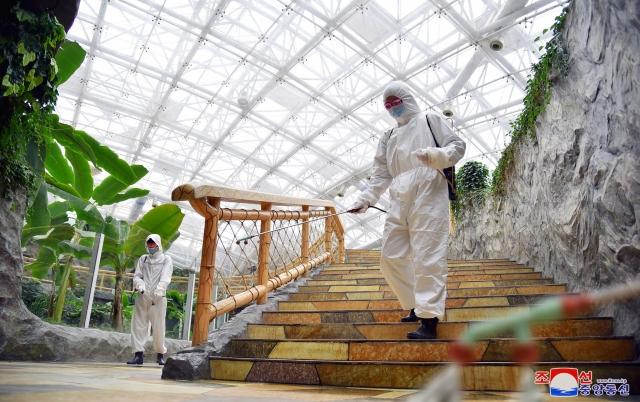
(412, 317)
(160, 359)
(137, 359)
(427, 329)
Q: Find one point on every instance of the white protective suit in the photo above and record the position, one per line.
(414, 248)
(153, 272)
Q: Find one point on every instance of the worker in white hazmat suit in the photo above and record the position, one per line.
(151, 279)
(414, 248)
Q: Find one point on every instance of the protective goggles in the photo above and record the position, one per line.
(393, 103)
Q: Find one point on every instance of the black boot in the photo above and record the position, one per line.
(412, 317)
(160, 359)
(137, 359)
(427, 329)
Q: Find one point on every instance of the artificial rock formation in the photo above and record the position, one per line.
(23, 336)
(572, 208)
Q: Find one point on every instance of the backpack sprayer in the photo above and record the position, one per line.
(246, 239)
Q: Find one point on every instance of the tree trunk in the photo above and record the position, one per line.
(62, 291)
(52, 299)
(116, 308)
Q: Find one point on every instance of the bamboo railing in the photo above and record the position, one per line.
(229, 245)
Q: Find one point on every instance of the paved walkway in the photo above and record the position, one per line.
(109, 382)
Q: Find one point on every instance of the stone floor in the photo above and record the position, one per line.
(23, 381)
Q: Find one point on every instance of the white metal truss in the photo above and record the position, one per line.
(284, 96)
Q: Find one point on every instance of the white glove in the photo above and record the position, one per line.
(360, 207)
(435, 158)
(159, 294)
(141, 287)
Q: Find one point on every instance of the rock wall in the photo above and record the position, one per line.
(573, 204)
(23, 336)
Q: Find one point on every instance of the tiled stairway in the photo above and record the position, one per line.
(344, 329)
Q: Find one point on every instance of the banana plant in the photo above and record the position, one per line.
(63, 163)
(125, 244)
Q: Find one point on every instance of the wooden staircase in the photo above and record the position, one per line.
(343, 329)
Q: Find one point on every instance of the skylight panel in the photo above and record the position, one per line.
(124, 33)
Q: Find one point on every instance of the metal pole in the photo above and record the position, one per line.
(188, 306)
(94, 266)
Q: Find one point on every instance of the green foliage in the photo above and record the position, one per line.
(472, 182)
(16, 135)
(28, 46)
(28, 94)
(176, 303)
(31, 289)
(538, 93)
(472, 176)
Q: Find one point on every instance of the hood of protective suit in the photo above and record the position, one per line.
(156, 239)
(401, 90)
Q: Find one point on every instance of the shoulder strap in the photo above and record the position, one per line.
(390, 133)
(433, 135)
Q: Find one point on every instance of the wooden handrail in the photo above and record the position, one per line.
(206, 198)
(197, 190)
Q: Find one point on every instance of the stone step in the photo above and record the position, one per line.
(322, 280)
(474, 376)
(373, 274)
(473, 301)
(386, 315)
(376, 267)
(450, 285)
(590, 326)
(389, 303)
(564, 349)
(451, 293)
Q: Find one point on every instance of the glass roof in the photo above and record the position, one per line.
(284, 96)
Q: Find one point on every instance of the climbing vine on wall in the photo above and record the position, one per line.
(28, 43)
(472, 181)
(538, 92)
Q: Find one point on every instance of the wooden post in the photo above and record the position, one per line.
(263, 253)
(327, 236)
(341, 248)
(304, 248)
(207, 267)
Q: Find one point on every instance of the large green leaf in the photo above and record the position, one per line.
(127, 195)
(82, 170)
(166, 244)
(111, 186)
(58, 208)
(57, 165)
(76, 250)
(84, 210)
(65, 135)
(68, 58)
(87, 242)
(163, 220)
(109, 160)
(53, 183)
(36, 154)
(38, 216)
(46, 258)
